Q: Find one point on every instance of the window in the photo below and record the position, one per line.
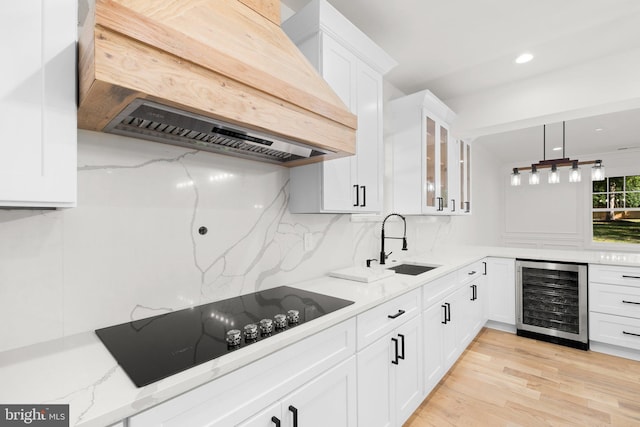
(616, 210)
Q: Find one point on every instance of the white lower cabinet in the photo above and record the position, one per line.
(451, 323)
(614, 310)
(315, 377)
(390, 375)
(329, 399)
(501, 284)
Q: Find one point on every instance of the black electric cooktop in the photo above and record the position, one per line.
(156, 347)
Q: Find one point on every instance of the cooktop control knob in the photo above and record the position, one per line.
(293, 316)
(233, 337)
(266, 326)
(250, 332)
(280, 320)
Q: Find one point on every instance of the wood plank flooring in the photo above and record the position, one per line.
(506, 380)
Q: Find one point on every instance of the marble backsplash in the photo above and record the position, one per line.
(133, 247)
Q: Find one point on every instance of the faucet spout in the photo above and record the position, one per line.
(383, 255)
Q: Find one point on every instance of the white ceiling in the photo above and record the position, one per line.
(460, 47)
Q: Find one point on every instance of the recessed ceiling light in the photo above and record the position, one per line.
(599, 129)
(557, 148)
(525, 57)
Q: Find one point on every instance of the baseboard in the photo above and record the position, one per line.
(614, 350)
(500, 326)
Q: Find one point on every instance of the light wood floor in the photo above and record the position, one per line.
(506, 380)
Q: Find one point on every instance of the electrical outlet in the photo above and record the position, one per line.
(308, 242)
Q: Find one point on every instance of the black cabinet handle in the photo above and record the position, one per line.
(395, 342)
(395, 316)
(624, 276)
(473, 292)
(440, 204)
(444, 322)
(467, 207)
(453, 205)
(485, 268)
(364, 196)
(276, 421)
(630, 302)
(630, 333)
(448, 311)
(471, 273)
(357, 203)
(401, 346)
(294, 411)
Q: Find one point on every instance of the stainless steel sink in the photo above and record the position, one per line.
(412, 269)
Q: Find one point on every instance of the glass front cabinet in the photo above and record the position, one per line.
(431, 168)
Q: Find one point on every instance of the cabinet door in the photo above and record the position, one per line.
(430, 129)
(271, 416)
(433, 328)
(408, 371)
(369, 139)
(37, 103)
(464, 159)
(375, 385)
(329, 400)
(339, 69)
(478, 301)
(501, 281)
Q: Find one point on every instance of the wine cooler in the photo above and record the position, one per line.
(551, 302)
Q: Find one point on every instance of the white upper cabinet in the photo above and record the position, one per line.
(431, 168)
(353, 66)
(38, 104)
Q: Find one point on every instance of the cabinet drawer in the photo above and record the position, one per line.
(255, 385)
(616, 275)
(379, 321)
(434, 291)
(615, 299)
(616, 330)
(471, 271)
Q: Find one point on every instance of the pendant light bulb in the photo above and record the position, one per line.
(534, 176)
(515, 177)
(554, 175)
(575, 175)
(597, 171)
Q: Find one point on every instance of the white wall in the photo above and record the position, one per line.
(558, 216)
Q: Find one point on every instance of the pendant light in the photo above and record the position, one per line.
(575, 175)
(515, 177)
(534, 177)
(554, 175)
(597, 171)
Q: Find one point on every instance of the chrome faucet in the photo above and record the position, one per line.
(383, 255)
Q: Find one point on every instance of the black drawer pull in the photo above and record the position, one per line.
(357, 203)
(294, 411)
(624, 276)
(444, 322)
(401, 347)
(471, 273)
(485, 268)
(630, 333)
(630, 302)
(276, 421)
(395, 342)
(395, 316)
(364, 196)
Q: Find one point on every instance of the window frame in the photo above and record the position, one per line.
(619, 246)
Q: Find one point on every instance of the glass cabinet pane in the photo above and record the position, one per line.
(444, 161)
(467, 200)
(431, 167)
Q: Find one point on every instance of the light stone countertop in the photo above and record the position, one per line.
(79, 370)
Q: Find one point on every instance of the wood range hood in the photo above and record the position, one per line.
(216, 75)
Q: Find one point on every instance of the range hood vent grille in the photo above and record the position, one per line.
(161, 123)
